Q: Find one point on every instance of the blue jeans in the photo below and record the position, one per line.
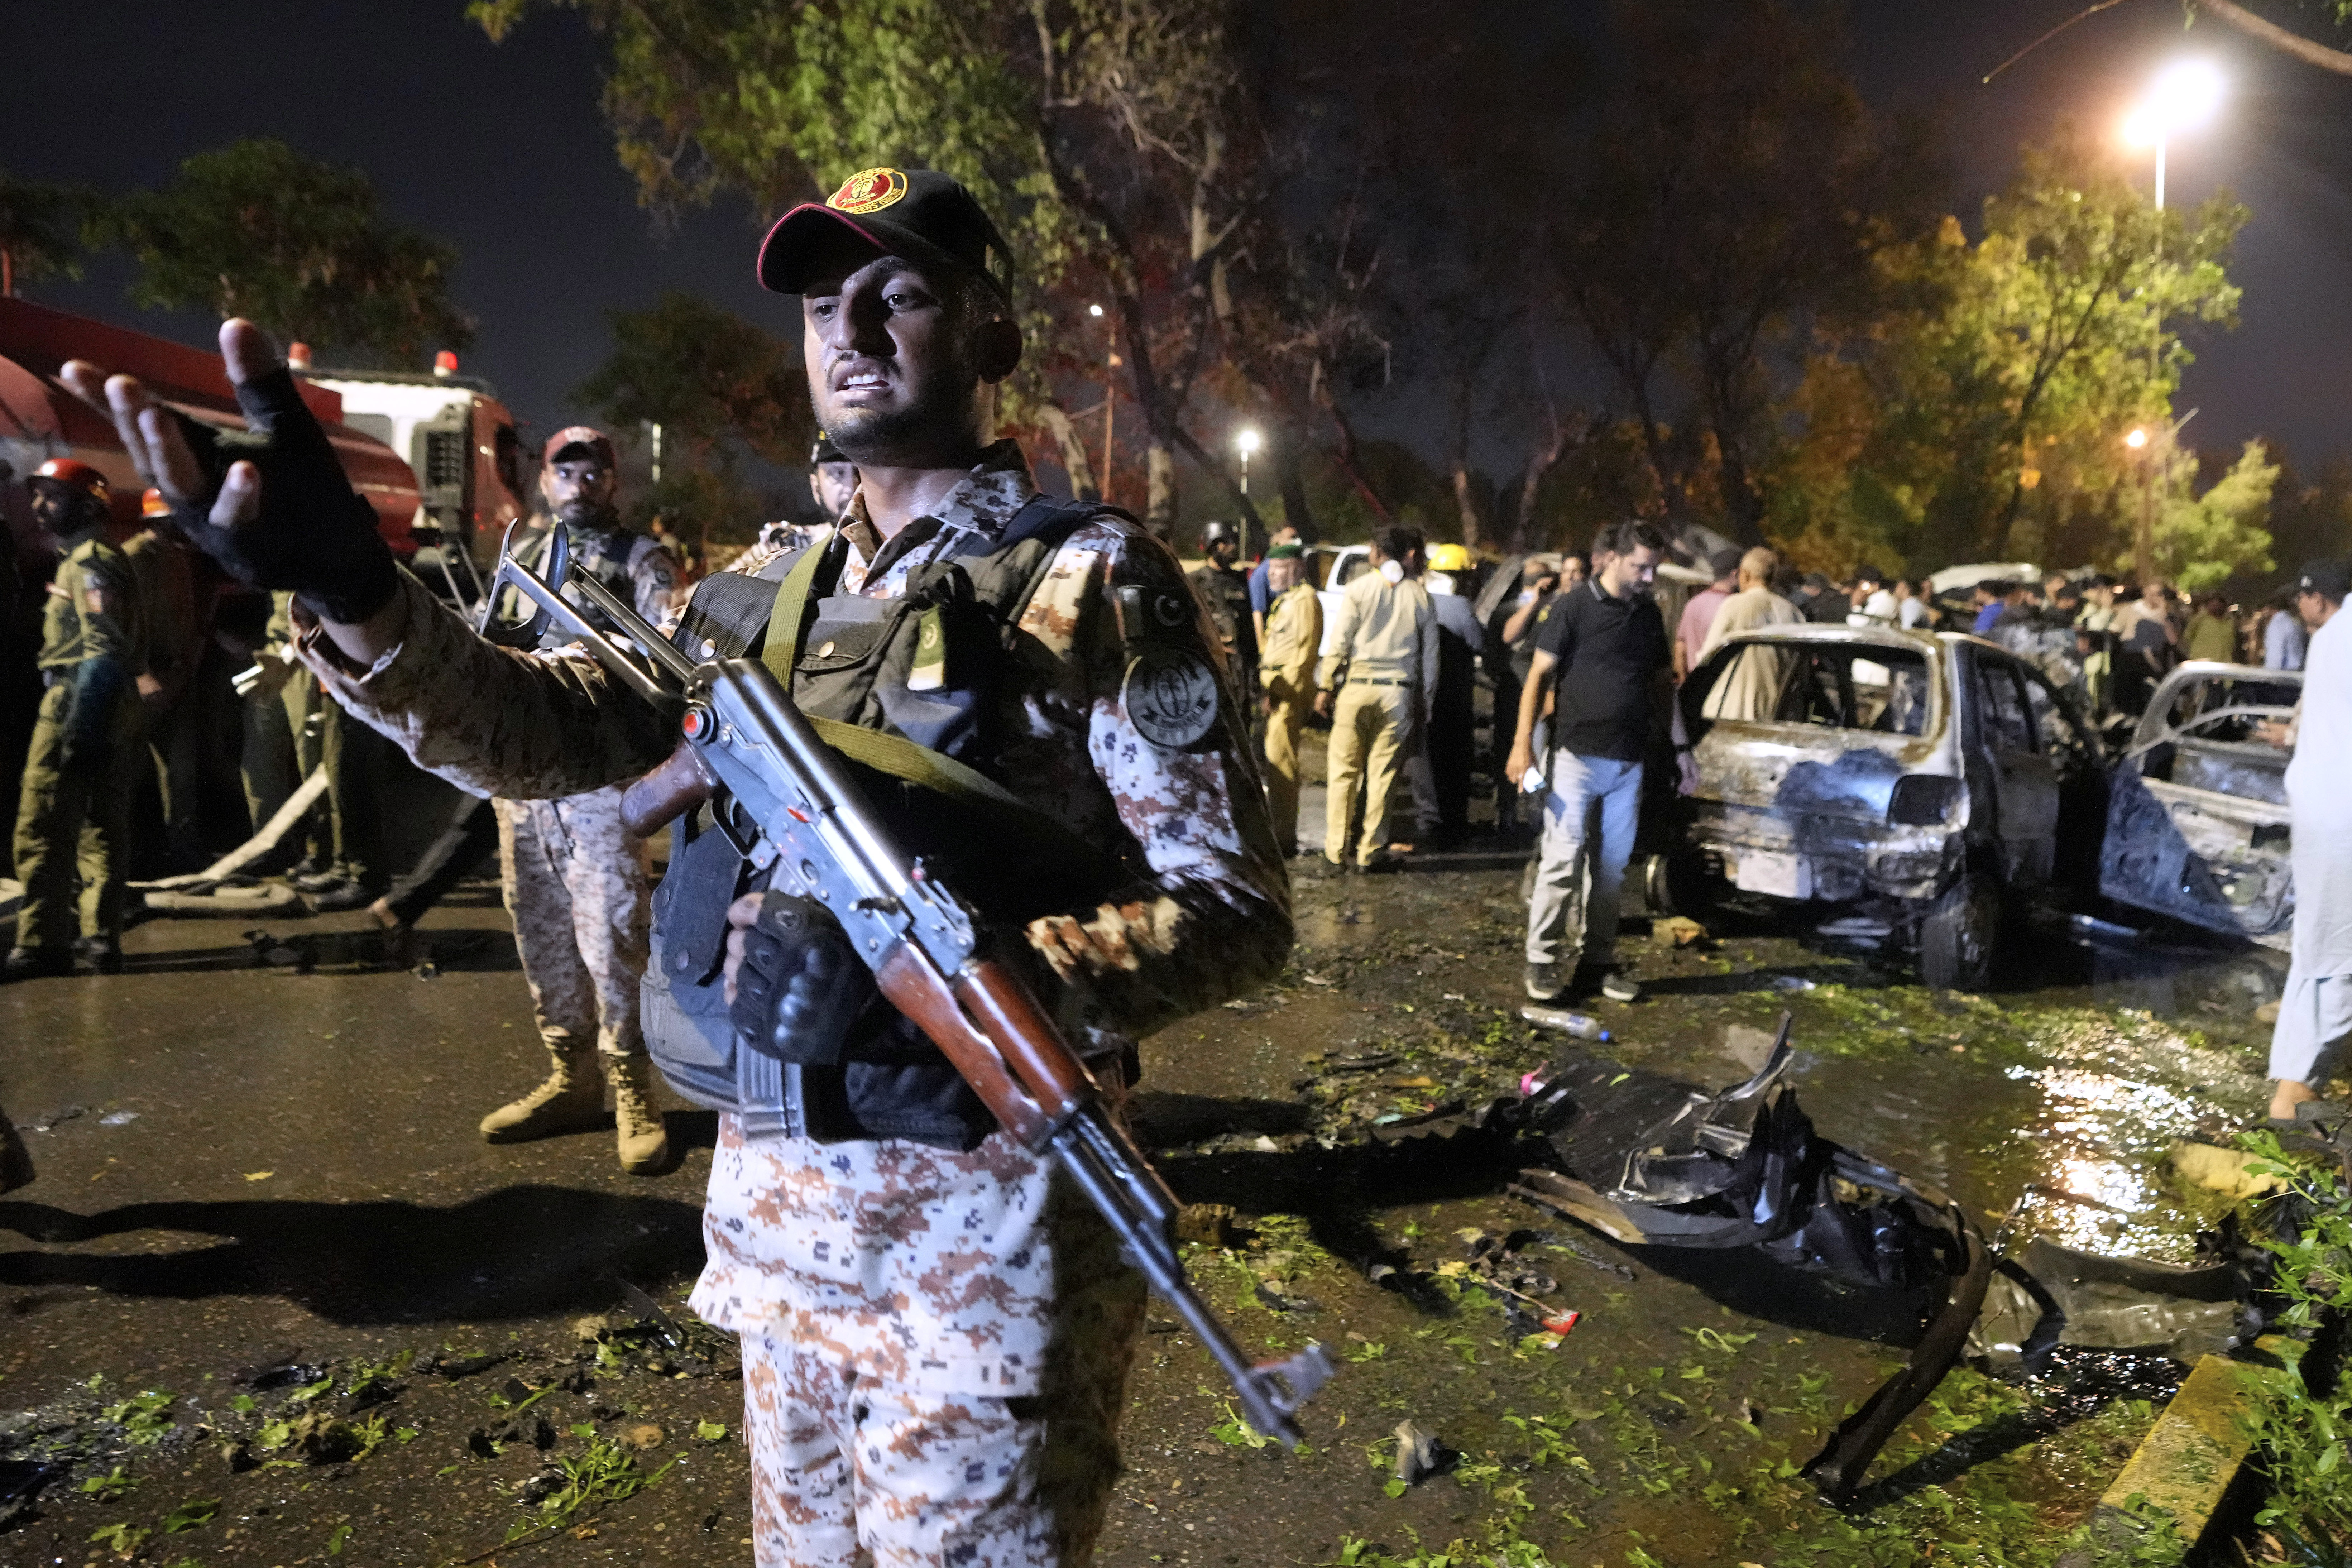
(1591, 807)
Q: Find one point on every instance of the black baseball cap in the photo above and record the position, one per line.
(2327, 578)
(824, 451)
(920, 214)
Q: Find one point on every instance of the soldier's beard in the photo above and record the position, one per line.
(890, 438)
(588, 516)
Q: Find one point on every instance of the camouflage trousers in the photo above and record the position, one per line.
(576, 885)
(853, 1471)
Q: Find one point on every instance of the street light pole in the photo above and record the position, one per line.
(1110, 394)
(1245, 441)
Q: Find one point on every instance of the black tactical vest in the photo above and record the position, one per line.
(928, 666)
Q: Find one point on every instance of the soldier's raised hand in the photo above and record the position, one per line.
(269, 503)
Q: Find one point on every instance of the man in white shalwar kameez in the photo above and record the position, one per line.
(2316, 1010)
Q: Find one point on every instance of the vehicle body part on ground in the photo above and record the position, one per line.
(2197, 826)
(1649, 1161)
(786, 798)
(1929, 781)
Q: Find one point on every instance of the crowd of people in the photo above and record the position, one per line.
(1584, 666)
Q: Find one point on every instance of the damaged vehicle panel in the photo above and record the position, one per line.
(1653, 1162)
(2197, 818)
(1920, 781)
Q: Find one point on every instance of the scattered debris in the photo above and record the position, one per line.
(1271, 1296)
(1419, 1453)
(454, 1367)
(118, 1119)
(1677, 931)
(1210, 1224)
(1313, 979)
(54, 1119)
(300, 954)
(2106, 931)
(1583, 1026)
(2220, 1170)
(1794, 982)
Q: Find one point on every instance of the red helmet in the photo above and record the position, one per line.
(79, 475)
(152, 504)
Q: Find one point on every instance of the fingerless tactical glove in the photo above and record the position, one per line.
(801, 987)
(314, 533)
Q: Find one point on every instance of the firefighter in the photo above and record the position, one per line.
(73, 815)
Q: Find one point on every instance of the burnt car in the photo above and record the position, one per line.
(2197, 814)
(1913, 787)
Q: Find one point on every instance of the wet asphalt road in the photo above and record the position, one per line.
(245, 1169)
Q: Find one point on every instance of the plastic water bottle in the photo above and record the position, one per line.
(1583, 1026)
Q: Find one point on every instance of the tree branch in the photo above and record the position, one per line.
(2278, 38)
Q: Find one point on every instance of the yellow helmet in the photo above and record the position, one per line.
(1448, 557)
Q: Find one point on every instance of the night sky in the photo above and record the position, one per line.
(500, 150)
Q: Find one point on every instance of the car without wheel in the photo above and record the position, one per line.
(2197, 815)
(1908, 786)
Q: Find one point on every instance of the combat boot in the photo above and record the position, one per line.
(637, 1120)
(571, 1100)
(36, 964)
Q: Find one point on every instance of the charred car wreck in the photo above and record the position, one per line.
(1915, 785)
(2197, 820)
(1650, 1162)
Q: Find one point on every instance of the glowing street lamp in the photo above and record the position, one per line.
(1110, 396)
(2184, 96)
(1246, 441)
(2136, 439)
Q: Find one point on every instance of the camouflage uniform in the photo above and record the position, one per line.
(955, 1293)
(73, 818)
(575, 886)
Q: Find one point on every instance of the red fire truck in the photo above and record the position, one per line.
(39, 419)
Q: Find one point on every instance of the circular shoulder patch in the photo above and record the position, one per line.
(1170, 696)
(868, 191)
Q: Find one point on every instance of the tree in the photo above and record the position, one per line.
(258, 229)
(1107, 136)
(42, 230)
(1732, 187)
(1978, 412)
(2204, 541)
(716, 385)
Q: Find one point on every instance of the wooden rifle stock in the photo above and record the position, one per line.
(989, 1026)
(667, 792)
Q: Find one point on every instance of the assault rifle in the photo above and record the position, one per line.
(785, 797)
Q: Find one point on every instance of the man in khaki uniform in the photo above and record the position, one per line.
(1382, 654)
(1294, 635)
(164, 572)
(73, 818)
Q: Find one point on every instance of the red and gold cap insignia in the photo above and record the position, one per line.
(868, 191)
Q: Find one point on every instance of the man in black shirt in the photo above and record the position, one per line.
(1607, 645)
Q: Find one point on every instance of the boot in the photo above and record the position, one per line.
(400, 942)
(637, 1120)
(571, 1100)
(36, 964)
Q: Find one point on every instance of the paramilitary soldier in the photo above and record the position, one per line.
(575, 881)
(935, 1331)
(74, 816)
